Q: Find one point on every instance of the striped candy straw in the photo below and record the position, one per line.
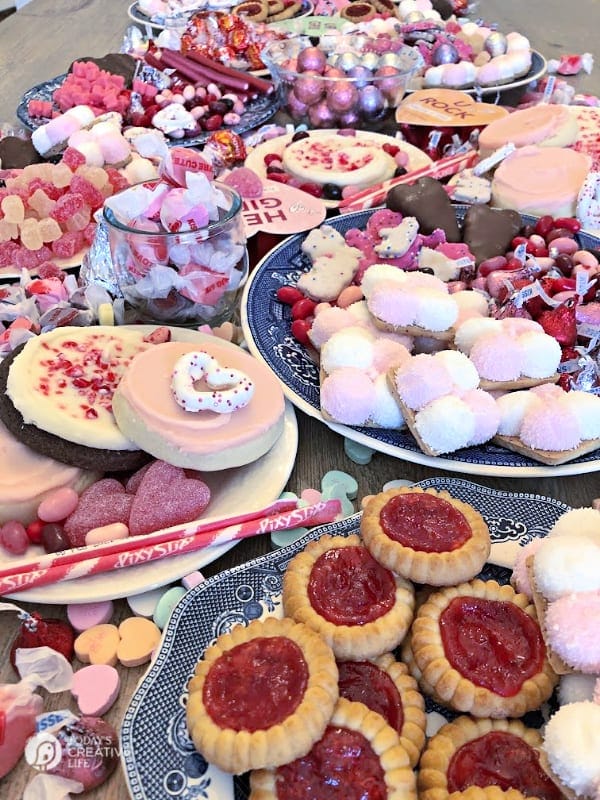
(376, 195)
(142, 552)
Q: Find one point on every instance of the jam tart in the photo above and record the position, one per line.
(478, 648)
(426, 536)
(336, 587)
(384, 685)
(358, 757)
(262, 695)
(484, 759)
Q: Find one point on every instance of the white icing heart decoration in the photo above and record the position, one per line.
(228, 389)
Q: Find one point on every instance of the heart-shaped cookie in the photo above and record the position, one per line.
(95, 687)
(489, 231)
(227, 389)
(166, 497)
(428, 202)
(443, 107)
(102, 503)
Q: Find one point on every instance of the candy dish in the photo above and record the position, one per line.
(134, 14)
(167, 764)
(257, 111)
(232, 490)
(255, 159)
(266, 327)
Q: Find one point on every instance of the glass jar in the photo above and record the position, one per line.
(186, 278)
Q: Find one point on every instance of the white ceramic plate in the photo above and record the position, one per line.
(232, 491)
(255, 160)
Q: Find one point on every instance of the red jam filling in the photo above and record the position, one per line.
(500, 759)
(493, 643)
(256, 685)
(424, 522)
(341, 766)
(365, 683)
(348, 587)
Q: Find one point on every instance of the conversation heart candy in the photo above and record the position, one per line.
(166, 604)
(102, 503)
(310, 496)
(346, 482)
(85, 615)
(283, 538)
(357, 452)
(192, 580)
(139, 638)
(144, 604)
(98, 645)
(166, 497)
(95, 687)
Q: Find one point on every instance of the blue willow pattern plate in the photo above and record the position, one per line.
(159, 759)
(257, 112)
(266, 324)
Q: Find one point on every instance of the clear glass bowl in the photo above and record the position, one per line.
(188, 278)
(357, 81)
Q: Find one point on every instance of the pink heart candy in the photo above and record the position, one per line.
(95, 687)
(102, 503)
(166, 497)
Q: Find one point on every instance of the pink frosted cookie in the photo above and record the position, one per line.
(544, 125)
(207, 406)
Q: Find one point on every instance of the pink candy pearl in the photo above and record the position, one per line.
(58, 505)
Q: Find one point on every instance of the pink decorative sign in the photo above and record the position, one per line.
(282, 210)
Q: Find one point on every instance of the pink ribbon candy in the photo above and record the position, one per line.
(178, 213)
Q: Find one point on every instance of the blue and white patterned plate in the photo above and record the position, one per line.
(159, 759)
(257, 112)
(266, 324)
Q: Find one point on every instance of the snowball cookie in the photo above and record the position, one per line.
(207, 405)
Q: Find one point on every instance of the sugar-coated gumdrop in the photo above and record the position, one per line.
(73, 158)
(49, 230)
(79, 221)
(41, 203)
(50, 632)
(92, 196)
(89, 232)
(97, 176)
(80, 738)
(30, 259)
(116, 180)
(61, 175)
(166, 497)
(31, 237)
(13, 209)
(100, 504)
(8, 251)
(67, 205)
(68, 245)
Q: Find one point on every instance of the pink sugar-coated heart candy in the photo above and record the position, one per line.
(166, 497)
(85, 615)
(133, 484)
(102, 503)
(57, 505)
(107, 533)
(95, 688)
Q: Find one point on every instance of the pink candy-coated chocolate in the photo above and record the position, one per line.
(58, 505)
(78, 740)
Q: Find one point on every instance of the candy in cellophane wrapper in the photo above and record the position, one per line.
(580, 367)
(225, 149)
(179, 162)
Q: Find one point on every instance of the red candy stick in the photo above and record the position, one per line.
(182, 540)
(199, 72)
(259, 84)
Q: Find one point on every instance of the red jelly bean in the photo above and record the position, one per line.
(312, 188)
(519, 240)
(302, 309)
(272, 158)
(570, 223)
(544, 225)
(491, 265)
(34, 531)
(289, 295)
(300, 329)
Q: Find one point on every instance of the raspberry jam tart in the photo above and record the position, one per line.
(426, 536)
(359, 757)
(359, 607)
(262, 695)
(478, 648)
(483, 755)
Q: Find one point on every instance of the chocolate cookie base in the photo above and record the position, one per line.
(52, 446)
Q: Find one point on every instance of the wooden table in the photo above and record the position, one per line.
(39, 42)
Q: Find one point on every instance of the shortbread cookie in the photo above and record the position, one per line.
(262, 695)
(426, 536)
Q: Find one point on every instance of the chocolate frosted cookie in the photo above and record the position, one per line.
(115, 63)
(489, 231)
(428, 201)
(56, 396)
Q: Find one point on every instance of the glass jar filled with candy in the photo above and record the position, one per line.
(179, 253)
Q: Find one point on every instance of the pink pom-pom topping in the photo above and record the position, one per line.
(422, 380)
(551, 426)
(520, 576)
(496, 357)
(347, 396)
(573, 630)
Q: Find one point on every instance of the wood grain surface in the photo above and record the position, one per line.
(39, 42)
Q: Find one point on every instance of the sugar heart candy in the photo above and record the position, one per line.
(139, 638)
(166, 604)
(95, 687)
(102, 503)
(144, 604)
(98, 645)
(85, 615)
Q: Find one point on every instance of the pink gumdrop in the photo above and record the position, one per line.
(349, 295)
(58, 505)
(85, 615)
(245, 181)
(107, 533)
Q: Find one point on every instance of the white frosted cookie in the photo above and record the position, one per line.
(207, 406)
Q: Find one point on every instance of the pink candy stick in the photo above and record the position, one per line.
(183, 540)
(376, 195)
(121, 545)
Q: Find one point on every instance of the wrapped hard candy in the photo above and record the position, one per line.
(90, 751)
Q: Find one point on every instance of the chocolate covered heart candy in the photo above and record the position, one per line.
(89, 751)
(489, 231)
(16, 153)
(428, 202)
